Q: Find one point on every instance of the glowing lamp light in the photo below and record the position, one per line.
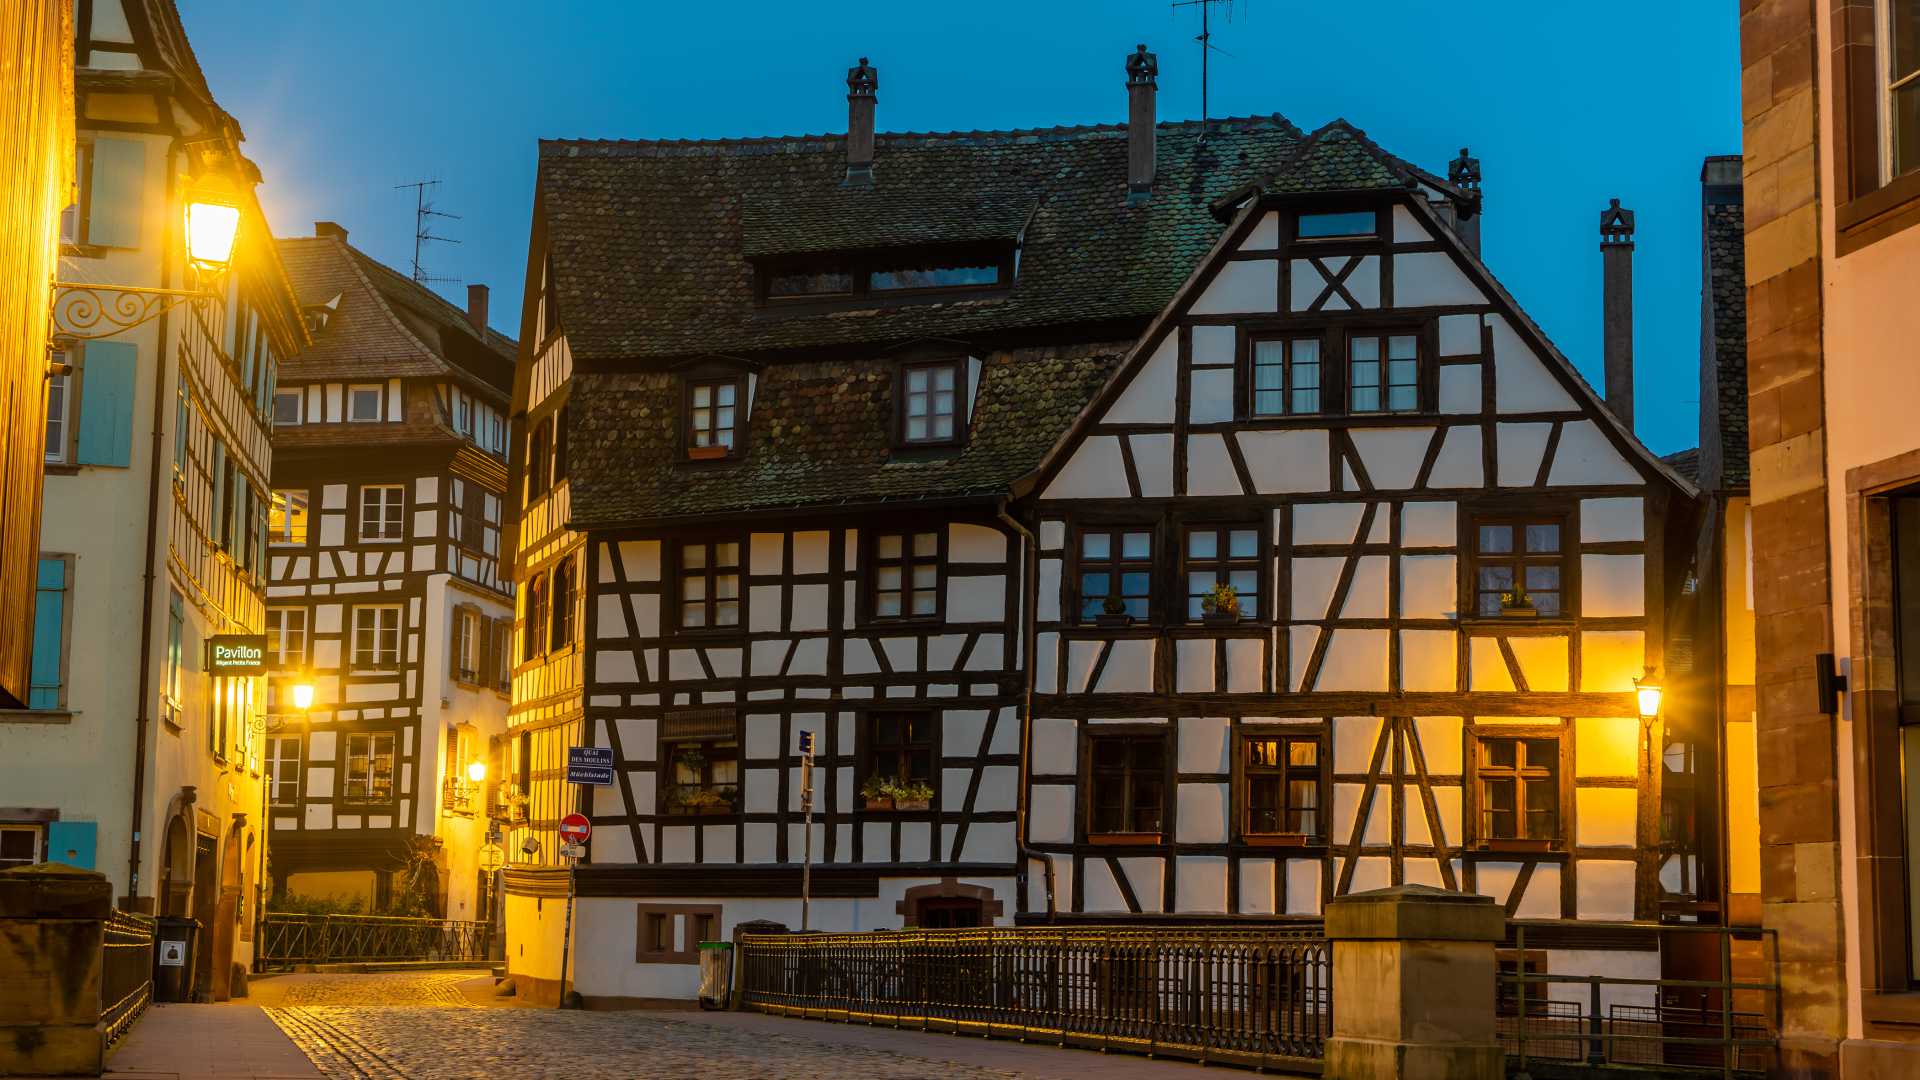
(476, 771)
(303, 696)
(1648, 691)
(210, 231)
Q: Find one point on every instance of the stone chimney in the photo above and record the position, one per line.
(1143, 68)
(862, 83)
(1616, 253)
(1463, 172)
(330, 228)
(477, 308)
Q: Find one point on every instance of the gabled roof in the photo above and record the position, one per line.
(1337, 157)
(384, 325)
(652, 242)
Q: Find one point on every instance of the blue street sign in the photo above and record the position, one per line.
(590, 765)
(806, 744)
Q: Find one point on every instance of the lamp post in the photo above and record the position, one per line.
(88, 310)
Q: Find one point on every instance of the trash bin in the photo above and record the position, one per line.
(175, 940)
(716, 974)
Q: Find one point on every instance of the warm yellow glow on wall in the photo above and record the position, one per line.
(476, 771)
(302, 696)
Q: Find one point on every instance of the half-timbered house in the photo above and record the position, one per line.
(389, 481)
(1185, 511)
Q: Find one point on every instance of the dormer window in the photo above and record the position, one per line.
(811, 281)
(713, 415)
(935, 275)
(884, 276)
(1336, 226)
(930, 412)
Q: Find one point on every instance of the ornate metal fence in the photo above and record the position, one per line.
(289, 939)
(126, 972)
(1248, 997)
(1726, 1026)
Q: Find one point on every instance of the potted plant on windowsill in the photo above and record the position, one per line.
(1113, 613)
(1221, 605)
(691, 800)
(878, 793)
(912, 795)
(1516, 604)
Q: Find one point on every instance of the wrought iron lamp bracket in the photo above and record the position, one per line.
(87, 311)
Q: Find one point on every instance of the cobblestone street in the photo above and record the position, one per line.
(447, 1024)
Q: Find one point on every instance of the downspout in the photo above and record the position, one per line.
(145, 705)
(1029, 632)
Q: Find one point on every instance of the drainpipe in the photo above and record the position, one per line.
(1030, 575)
(142, 719)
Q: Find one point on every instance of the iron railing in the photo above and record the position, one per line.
(1727, 1026)
(287, 939)
(1256, 997)
(126, 972)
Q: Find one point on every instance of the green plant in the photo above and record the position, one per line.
(1222, 599)
(1114, 606)
(1516, 598)
(305, 904)
(877, 787)
(912, 791)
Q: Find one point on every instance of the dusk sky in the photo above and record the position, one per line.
(344, 100)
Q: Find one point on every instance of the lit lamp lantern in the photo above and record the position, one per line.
(211, 227)
(476, 771)
(1647, 690)
(302, 696)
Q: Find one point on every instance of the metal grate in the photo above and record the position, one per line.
(288, 939)
(126, 972)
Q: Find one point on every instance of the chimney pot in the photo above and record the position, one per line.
(330, 228)
(1143, 69)
(477, 308)
(1463, 172)
(863, 84)
(1616, 253)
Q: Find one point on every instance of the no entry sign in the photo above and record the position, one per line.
(574, 828)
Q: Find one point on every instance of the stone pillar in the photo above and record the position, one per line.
(53, 921)
(1413, 985)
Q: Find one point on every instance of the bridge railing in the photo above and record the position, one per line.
(287, 939)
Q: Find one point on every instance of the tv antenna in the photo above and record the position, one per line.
(423, 215)
(1207, 46)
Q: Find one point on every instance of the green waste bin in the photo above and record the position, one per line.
(716, 974)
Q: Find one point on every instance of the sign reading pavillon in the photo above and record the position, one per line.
(237, 654)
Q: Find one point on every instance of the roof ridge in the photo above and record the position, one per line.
(555, 146)
(454, 312)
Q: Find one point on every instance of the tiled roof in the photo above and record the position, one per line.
(650, 240)
(820, 435)
(385, 325)
(1685, 462)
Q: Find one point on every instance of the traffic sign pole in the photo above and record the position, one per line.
(574, 830)
(806, 842)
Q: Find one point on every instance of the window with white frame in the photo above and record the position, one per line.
(287, 520)
(930, 411)
(283, 770)
(364, 402)
(287, 637)
(382, 510)
(467, 643)
(59, 411)
(1898, 38)
(287, 407)
(376, 636)
(369, 766)
(20, 844)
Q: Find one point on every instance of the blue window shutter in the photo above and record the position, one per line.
(219, 489)
(72, 842)
(49, 634)
(106, 403)
(119, 185)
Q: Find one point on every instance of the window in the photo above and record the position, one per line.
(287, 521)
(906, 575)
(500, 654)
(470, 526)
(463, 414)
(1286, 377)
(1900, 68)
(534, 622)
(1330, 226)
(369, 766)
(283, 769)
(700, 753)
(19, 845)
(466, 644)
(176, 644)
(561, 630)
(1281, 778)
(382, 507)
(47, 679)
(538, 450)
(850, 276)
(1128, 789)
(286, 407)
(934, 275)
(816, 281)
(672, 933)
(287, 637)
(363, 403)
(1519, 789)
(1526, 551)
(59, 411)
(711, 411)
(659, 934)
(376, 636)
(930, 403)
(900, 746)
(1223, 555)
(1383, 373)
(1116, 573)
(710, 585)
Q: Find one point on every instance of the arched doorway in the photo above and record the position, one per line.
(217, 935)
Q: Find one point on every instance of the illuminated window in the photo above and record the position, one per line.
(1281, 781)
(369, 767)
(287, 520)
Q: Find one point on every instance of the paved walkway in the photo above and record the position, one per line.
(448, 1025)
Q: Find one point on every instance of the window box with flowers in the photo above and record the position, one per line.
(1220, 606)
(893, 793)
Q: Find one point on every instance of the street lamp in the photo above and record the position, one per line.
(476, 771)
(302, 693)
(1648, 691)
(87, 310)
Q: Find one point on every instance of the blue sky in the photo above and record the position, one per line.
(1565, 108)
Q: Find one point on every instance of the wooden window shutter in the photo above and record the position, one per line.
(114, 204)
(454, 649)
(106, 404)
(501, 641)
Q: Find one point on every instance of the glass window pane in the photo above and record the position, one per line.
(693, 556)
(726, 555)
(1496, 538)
(1364, 350)
(1500, 752)
(917, 428)
(917, 380)
(1243, 543)
(1136, 545)
(1306, 401)
(1203, 544)
(926, 577)
(1094, 585)
(727, 586)
(1134, 584)
(926, 543)
(1546, 603)
(924, 602)
(702, 397)
(1402, 346)
(1543, 754)
(1903, 19)
(1366, 399)
(943, 426)
(943, 378)
(1355, 223)
(888, 546)
(1904, 122)
(725, 393)
(693, 588)
(1096, 546)
(886, 604)
(1403, 399)
(1545, 578)
(1269, 402)
(726, 613)
(1543, 538)
(1303, 752)
(1306, 351)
